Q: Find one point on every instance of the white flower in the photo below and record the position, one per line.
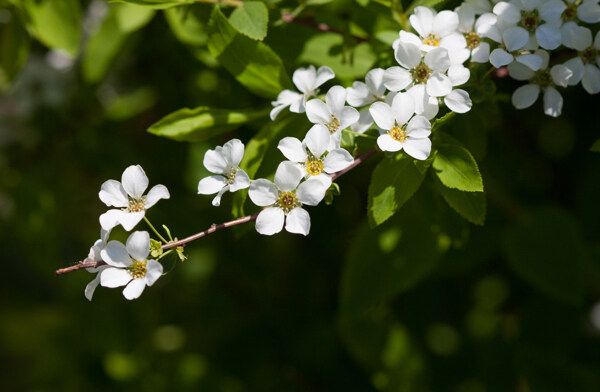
(480, 6)
(307, 80)
(313, 154)
(435, 29)
(475, 31)
(284, 199)
(129, 196)
(585, 66)
(361, 94)
(543, 80)
(513, 40)
(402, 132)
(587, 11)
(129, 265)
(224, 161)
(94, 256)
(332, 113)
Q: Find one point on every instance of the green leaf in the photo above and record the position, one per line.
(14, 46)
(251, 62)
(456, 168)
(393, 182)
(596, 146)
(104, 46)
(547, 251)
(55, 23)
(251, 19)
(194, 125)
(186, 26)
(157, 4)
(471, 205)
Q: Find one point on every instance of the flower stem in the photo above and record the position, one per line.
(359, 134)
(154, 230)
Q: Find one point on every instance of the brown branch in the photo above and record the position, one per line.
(214, 227)
(310, 22)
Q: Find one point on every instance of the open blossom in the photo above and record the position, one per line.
(128, 265)
(94, 256)
(587, 11)
(128, 195)
(585, 66)
(435, 30)
(543, 80)
(332, 113)
(313, 154)
(307, 80)
(284, 199)
(475, 30)
(224, 162)
(400, 129)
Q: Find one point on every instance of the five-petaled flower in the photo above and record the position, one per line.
(128, 195)
(128, 265)
(224, 162)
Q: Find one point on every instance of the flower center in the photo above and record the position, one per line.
(136, 205)
(570, 13)
(421, 73)
(530, 20)
(230, 175)
(314, 166)
(333, 125)
(473, 40)
(287, 201)
(138, 269)
(589, 55)
(543, 78)
(398, 133)
(432, 40)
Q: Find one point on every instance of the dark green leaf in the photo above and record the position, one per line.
(471, 205)
(456, 168)
(252, 63)
(251, 19)
(596, 146)
(56, 23)
(393, 182)
(546, 250)
(193, 125)
(14, 46)
(186, 26)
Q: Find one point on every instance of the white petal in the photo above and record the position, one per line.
(114, 277)
(437, 59)
(317, 140)
(305, 78)
(382, 115)
(525, 96)
(270, 221)
(91, 287)
(561, 75)
(113, 194)
(335, 99)
(288, 176)
(589, 12)
(500, 57)
(408, 55)
(359, 95)
(486, 27)
(241, 181)
(552, 10)
(312, 191)
(154, 270)
(458, 74)
(298, 221)
(396, 78)
(507, 12)
(418, 127)
(134, 289)
(533, 61)
(422, 20)
(156, 193)
(466, 17)
(210, 185)
(575, 36)
(591, 79)
(292, 149)
(431, 108)
(138, 245)
(374, 81)
(115, 254)
(337, 160)
(481, 54)
(297, 105)
(458, 101)
(317, 112)
(324, 73)
(134, 181)
(520, 71)
(364, 122)
(263, 192)
(439, 85)
(553, 102)
(515, 38)
(215, 162)
(348, 116)
(285, 99)
(130, 219)
(445, 22)
(233, 152)
(403, 107)
(577, 67)
(419, 94)
(111, 219)
(418, 148)
(548, 36)
(216, 201)
(386, 143)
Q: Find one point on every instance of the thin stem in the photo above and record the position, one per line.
(214, 227)
(164, 254)
(359, 134)
(154, 230)
(231, 3)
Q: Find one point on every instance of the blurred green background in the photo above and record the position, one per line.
(425, 302)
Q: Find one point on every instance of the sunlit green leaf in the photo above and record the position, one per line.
(157, 4)
(186, 26)
(56, 23)
(251, 19)
(456, 168)
(132, 17)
